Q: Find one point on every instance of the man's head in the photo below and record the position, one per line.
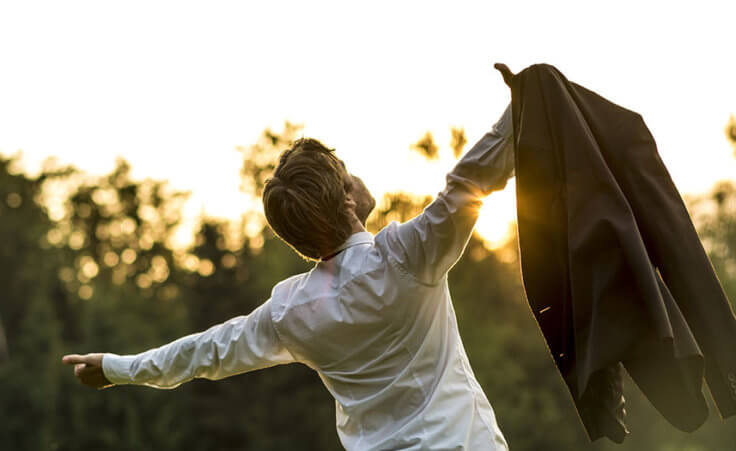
(311, 201)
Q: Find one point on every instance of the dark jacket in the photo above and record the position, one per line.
(613, 269)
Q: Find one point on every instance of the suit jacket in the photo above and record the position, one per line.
(613, 269)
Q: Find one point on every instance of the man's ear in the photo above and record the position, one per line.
(350, 203)
(350, 206)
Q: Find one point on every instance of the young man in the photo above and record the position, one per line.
(373, 317)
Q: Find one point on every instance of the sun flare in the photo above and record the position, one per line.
(497, 217)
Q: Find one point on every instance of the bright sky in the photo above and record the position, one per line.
(175, 86)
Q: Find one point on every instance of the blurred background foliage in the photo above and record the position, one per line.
(87, 264)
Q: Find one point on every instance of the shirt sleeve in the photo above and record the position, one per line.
(431, 243)
(244, 343)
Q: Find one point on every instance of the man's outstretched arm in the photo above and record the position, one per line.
(244, 343)
(431, 243)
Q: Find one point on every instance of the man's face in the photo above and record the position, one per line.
(364, 202)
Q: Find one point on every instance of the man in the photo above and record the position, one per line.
(373, 317)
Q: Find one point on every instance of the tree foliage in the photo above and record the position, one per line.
(87, 264)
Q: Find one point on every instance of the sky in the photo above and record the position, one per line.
(175, 86)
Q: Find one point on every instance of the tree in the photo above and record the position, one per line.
(88, 264)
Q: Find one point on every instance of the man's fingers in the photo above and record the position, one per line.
(71, 359)
(505, 72)
(89, 359)
(88, 369)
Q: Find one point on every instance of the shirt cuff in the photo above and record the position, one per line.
(116, 368)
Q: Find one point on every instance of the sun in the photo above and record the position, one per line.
(497, 216)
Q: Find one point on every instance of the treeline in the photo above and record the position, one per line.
(87, 265)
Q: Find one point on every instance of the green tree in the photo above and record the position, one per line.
(88, 264)
(29, 377)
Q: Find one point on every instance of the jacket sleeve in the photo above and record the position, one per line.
(244, 343)
(431, 243)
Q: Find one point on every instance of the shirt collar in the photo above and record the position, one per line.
(355, 239)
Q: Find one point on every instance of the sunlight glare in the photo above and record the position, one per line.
(497, 216)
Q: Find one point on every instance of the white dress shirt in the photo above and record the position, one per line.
(376, 322)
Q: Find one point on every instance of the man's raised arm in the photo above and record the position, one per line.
(241, 344)
(431, 243)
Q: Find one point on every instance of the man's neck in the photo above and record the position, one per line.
(357, 227)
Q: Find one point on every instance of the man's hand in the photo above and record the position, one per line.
(88, 369)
